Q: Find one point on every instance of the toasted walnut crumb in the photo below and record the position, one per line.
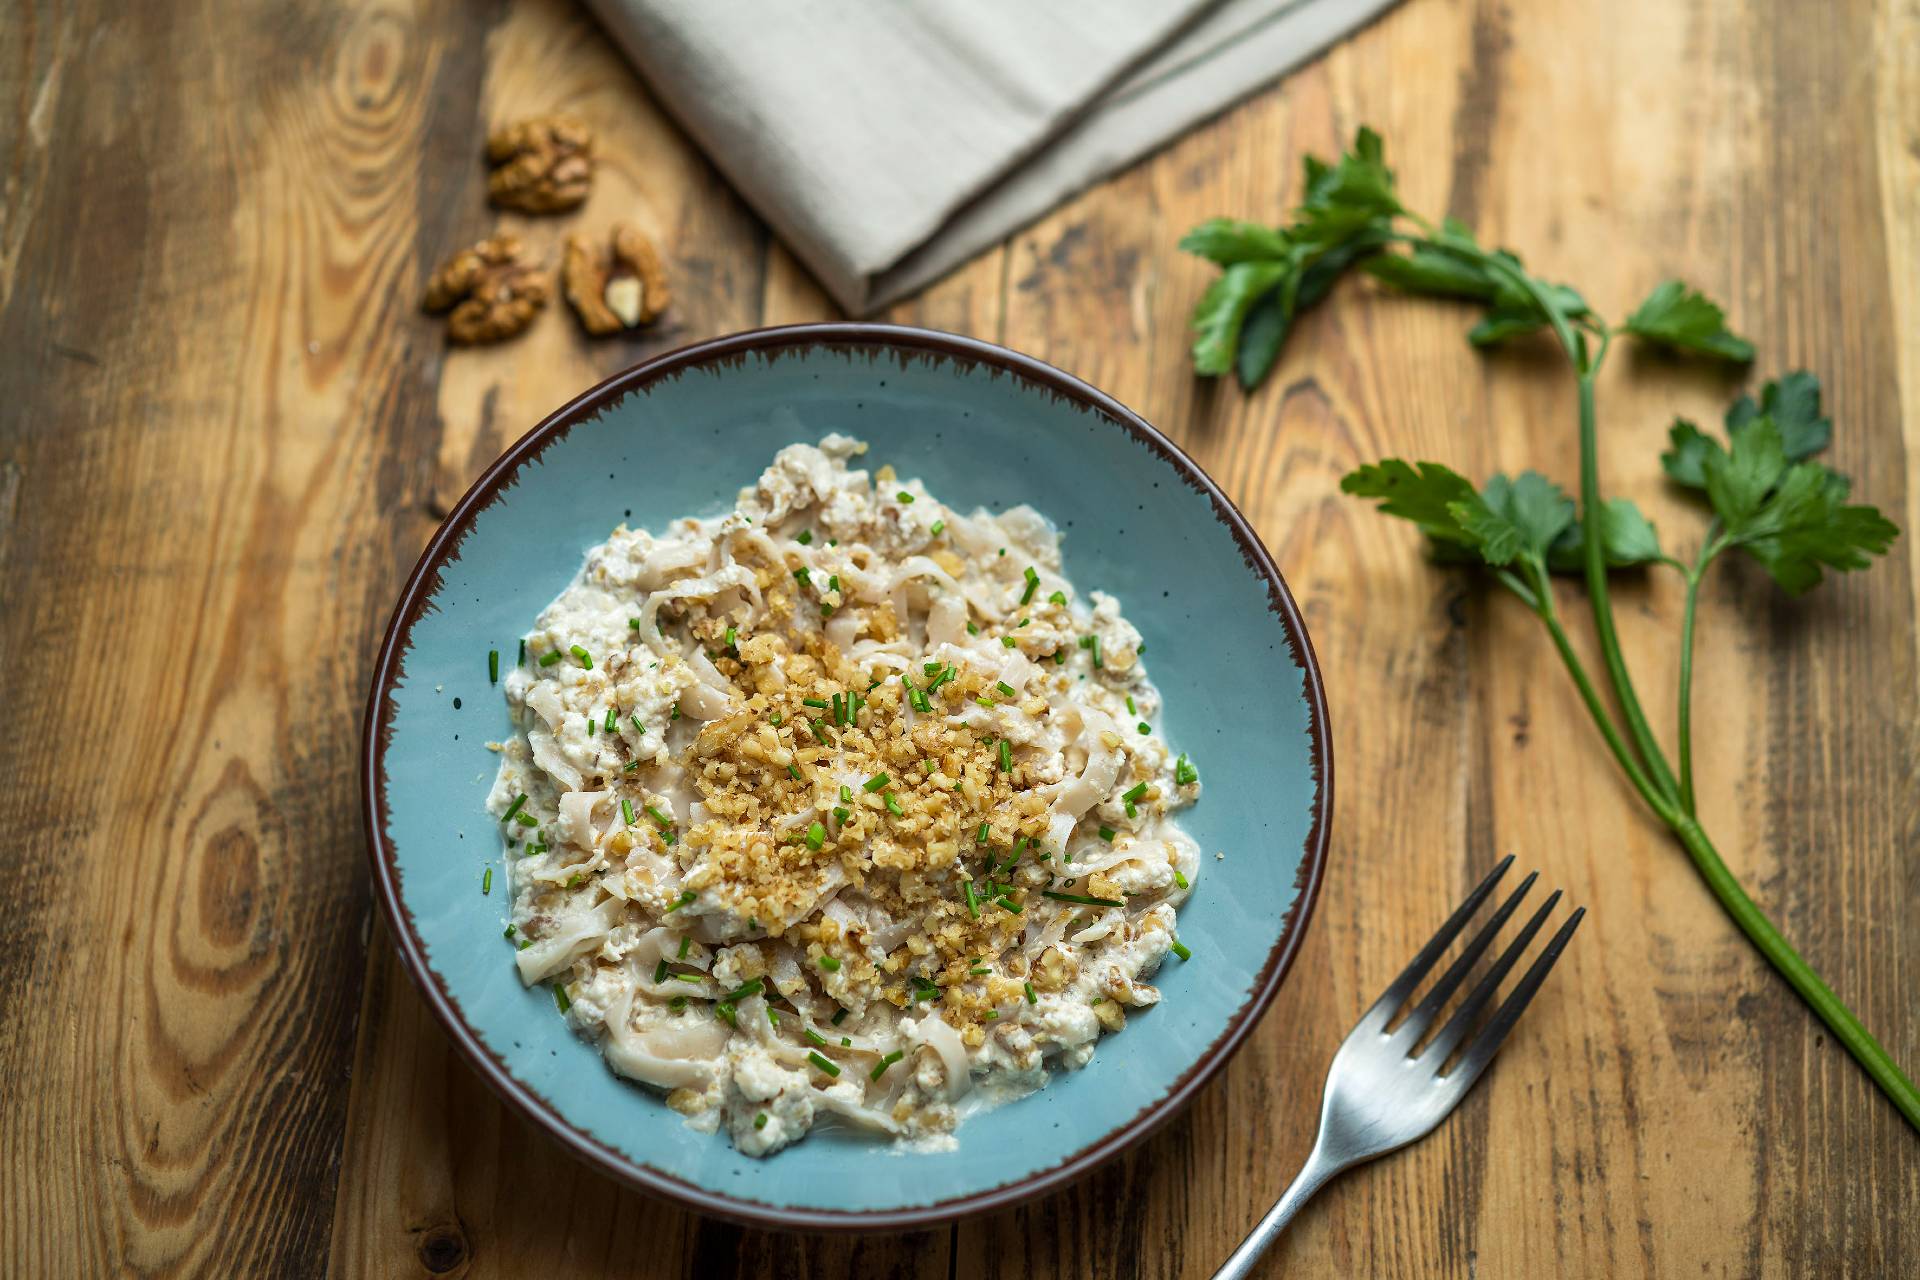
(1111, 1016)
(492, 294)
(541, 166)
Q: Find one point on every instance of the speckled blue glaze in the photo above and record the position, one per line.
(980, 426)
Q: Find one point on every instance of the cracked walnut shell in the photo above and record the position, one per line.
(623, 288)
(492, 294)
(541, 166)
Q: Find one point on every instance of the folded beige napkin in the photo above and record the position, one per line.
(888, 140)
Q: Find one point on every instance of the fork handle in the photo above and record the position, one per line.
(1312, 1176)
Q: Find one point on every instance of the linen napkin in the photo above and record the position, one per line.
(886, 141)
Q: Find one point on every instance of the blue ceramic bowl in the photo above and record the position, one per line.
(681, 434)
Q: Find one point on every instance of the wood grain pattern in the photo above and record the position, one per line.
(228, 434)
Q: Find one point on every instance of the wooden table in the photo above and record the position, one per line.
(228, 433)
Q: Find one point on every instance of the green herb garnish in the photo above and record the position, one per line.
(880, 1067)
(874, 783)
(581, 656)
(826, 1065)
(1787, 513)
(1080, 898)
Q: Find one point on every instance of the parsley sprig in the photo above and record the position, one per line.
(1768, 499)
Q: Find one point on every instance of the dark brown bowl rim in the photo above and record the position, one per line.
(907, 343)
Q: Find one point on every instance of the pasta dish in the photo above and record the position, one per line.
(843, 805)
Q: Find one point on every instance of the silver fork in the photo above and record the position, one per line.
(1381, 1095)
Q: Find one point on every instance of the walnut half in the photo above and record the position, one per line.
(492, 294)
(623, 288)
(541, 166)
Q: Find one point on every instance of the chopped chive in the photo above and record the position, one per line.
(1031, 997)
(1059, 657)
(1106, 833)
(972, 630)
(819, 732)
(493, 666)
(612, 725)
(814, 1037)
(589, 728)
(513, 808)
(1131, 811)
(760, 1121)
(676, 712)
(1008, 904)
(686, 977)
(803, 575)
(806, 537)
(841, 815)
(818, 703)
(1139, 789)
(509, 931)
(980, 836)
(560, 998)
(839, 1016)
(525, 943)
(631, 766)
(661, 970)
(1005, 689)
(686, 944)
(880, 1067)
(1181, 880)
(979, 971)
(1006, 756)
(633, 624)
(1130, 710)
(523, 653)
(725, 1010)
(626, 810)
(988, 703)
(825, 1064)
(659, 817)
(1033, 584)
(1003, 551)
(816, 836)
(1184, 773)
(548, 659)
(830, 963)
(1096, 653)
(677, 1003)
(733, 637)
(1007, 641)
(1058, 597)
(845, 1043)
(874, 783)
(773, 1016)
(575, 880)
(846, 794)
(839, 708)
(939, 527)
(486, 881)
(1180, 949)
(893, 805)
(826, 610)
(741, 992)
(904, 496)
(1144, 728)
(973, 901)
(585, 658)
(833, 582)
(1086, 642)
(792, 772)
(684, 900)
(1080, 898)
(527, 820)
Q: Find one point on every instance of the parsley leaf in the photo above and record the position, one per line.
(1222, 310)
(1682, 319)
(1424, 493)
(1685, 462)
(1242, 320)
(1793, 402)
(1627, 538)
(1516, 519)
(1793, 517)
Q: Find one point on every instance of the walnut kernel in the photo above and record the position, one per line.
(623, 288)
(492, 294)
(541, 166)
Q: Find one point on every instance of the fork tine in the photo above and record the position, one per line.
(1462, 1020)
(1396, 994)
(1421, 1018)
(1487, 1043)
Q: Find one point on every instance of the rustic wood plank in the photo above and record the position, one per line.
(214, 215)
